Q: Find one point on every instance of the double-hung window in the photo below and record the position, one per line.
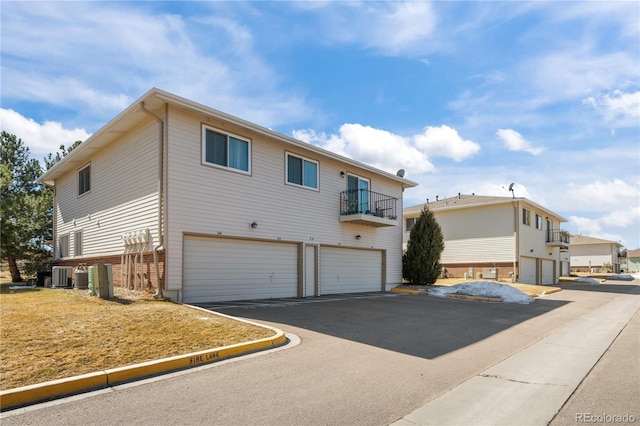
(225, 150)
(63, 246)
(526, 217)
(302, 171)
(84, 179)
(409, 222)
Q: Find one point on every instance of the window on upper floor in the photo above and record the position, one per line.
(538, 221)
(222, 149)
(84, 179)
(301, 171)
(408, 224)
(526, 216)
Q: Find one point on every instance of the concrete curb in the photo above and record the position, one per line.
(408, 291)
(480, 298)
(18, 397)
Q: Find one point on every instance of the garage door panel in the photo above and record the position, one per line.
(217, 269)
(350, 270)
(548, 272)
(528, 270)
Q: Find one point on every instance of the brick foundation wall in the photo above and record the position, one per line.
(458, 270)
(149, 273)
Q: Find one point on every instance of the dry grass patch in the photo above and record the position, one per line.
(48, 334)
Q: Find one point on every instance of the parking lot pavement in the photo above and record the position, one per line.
(361, 361)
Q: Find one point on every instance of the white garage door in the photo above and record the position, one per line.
(345, 270)
(548, 272)
(528, 270)
(565, 269)
(219, 269)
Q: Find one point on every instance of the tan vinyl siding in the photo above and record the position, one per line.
(212, 201)
(490, 249)
(123, 195)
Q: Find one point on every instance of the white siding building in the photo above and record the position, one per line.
(499, 237)
(589, 254)
(223, 209)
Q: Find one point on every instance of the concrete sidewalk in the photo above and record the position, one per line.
(531, 386)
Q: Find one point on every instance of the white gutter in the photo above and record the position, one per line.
(160, 244)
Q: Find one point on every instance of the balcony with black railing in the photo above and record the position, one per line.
(558, 238)
(368, 208)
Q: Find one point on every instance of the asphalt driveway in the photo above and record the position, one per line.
(359, 361)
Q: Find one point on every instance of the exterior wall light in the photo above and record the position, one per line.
(358, 237)
(253, 225)
(342, 173)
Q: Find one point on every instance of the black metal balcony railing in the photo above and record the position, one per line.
(557, 236)
(363, 201)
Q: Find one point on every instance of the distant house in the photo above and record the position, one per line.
(498, 237)
(590, 254)
(632, 264)
(209, 207)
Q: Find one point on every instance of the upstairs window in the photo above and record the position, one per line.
(526, 217)
(302, 171)
(409, 222)
(225, 150)
(84, 179)
(538, 222)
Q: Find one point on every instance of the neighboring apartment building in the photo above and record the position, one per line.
(632, 264)
(499, 237)
(590, 254)
(217, 208)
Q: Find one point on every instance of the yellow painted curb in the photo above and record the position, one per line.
(48, 390)
(481, 298)
(40, 392)
(407, 290)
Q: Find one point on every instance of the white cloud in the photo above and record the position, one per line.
(603, 196)
(618, 108)
(392, 28)
(42, 139)
(375, 147)
(444, 141)
(515, 142)
(391, 152)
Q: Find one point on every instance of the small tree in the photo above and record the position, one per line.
(421, 262)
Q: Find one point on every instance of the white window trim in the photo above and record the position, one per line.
(286, 171)
(218, 166)
(80, 170)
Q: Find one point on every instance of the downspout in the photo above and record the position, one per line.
(159, 246)
(516, 228)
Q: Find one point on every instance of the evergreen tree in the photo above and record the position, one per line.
(21, 230)
(421, 262)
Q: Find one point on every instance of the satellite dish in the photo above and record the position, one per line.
(400, 173)
(511, 187)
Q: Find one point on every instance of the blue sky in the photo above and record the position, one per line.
(465, 96)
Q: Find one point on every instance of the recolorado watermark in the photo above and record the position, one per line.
(605, 418)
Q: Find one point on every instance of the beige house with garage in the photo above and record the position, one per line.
(589, 254)
(204, 206)
(506, 238)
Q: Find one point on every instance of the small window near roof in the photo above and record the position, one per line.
(526, 216)
(225, 150)
(302, 171)
(409, 222)
(84, 179)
